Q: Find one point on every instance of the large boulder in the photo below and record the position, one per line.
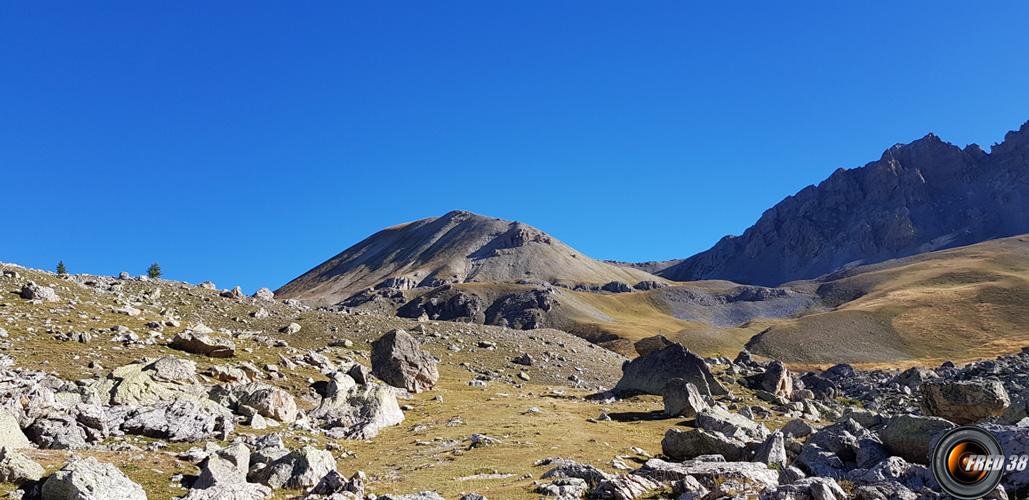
(772, 451)
(356, 411)
(89, 479)
(682, 399)
(914, 377)
(965, 402)
(268, 400)
(16, 468)
(777, 380)
(648, 374)
(735, 425)
(301, 468)
(181, 420)
(758, 476)
(204, 344)
(11, 435)
(814, 488)
(32, 291)
(650, 344)
(684, 445)
(911, 437)
(398, 360)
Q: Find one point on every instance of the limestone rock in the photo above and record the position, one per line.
(398, 360)
(648, 374)
(89, 479)
(965, 402)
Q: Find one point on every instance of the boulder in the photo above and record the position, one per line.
(616, 287)
(650, 344)
(269, 401)
(215, 470)
(11, 435)
(777, 380)
(89, 479)
(32, 291)
(914, 377)
(648, 374)
(182, 420)
(230, 491)
(684, 445)
(735, 425)
(625, 487)
(398, 360)
(353, 411)
(301, 468)
(334, 483)
(965, 402)
(592, 475)
(757, 475)
(911, 436)
(290, 329)
(814, 488)
(682, 399)
(16, 468)
(205, 344)
(265, 295)
(772, 451)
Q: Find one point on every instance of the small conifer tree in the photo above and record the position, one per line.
(60, 268)
(154, 271)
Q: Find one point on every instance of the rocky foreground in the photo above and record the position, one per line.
(121, 387)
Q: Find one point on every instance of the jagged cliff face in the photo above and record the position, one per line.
(918, 197)
(458, 247)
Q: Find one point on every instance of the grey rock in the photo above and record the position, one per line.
(777, 380)
(205, 344)
(964, 402)
(16, 468)
(592, 475)
(265, 295)
(757, 475)
(913, 377)
(230, 491)
(717, 419)
(772, 451)
(32, 291)
(625, 487)
(354, 411)
(682, 399)
(911, 436)
(813, 488)
(89, 479)
(11, 435)
(182, 420)
(683, 445)
(648, 374)
(797, 428)
(301, 468)
(398, 360)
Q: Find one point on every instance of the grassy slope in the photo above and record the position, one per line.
(959, 304)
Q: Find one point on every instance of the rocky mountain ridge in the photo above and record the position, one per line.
(918, 197)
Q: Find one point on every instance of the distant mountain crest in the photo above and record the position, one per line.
(457, 247)
(918, 197)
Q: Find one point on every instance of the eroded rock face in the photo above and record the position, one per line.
(649, 374)
(89, 479)
(398, 360)
(965, 402)
(917, 197)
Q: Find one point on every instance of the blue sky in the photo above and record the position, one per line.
(245, 142)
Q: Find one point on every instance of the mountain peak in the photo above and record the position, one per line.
(457, 247)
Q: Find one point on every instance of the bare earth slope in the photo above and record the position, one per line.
(918, 197)
(958, 304)
(458, 247)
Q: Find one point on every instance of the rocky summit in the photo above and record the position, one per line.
(918, 197)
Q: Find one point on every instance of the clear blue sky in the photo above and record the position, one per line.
(245, 142)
